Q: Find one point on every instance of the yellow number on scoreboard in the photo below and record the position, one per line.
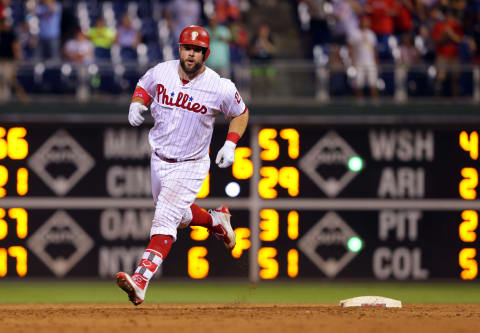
(466, 229)
(243, 242)
(288, 178)
(292, 259)
(267, 262)
(468, 263)
(20, 254)
(3, 180)
(17, 252)
(292, 221)
(198, 233)
(197, 264)
(293, 138)
(14, 145)
(469, 143)
(266, 140)
(268, 182)
(242, 168)
(468, 184)
(269, 225)
(205, 189)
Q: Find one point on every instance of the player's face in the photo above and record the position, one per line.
(191, 58)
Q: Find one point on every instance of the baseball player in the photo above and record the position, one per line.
(184, 97)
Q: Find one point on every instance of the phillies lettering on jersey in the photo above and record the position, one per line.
(183, 101)
(184, 114)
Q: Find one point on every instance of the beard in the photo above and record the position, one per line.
(192, 70)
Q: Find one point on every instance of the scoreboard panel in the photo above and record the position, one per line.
(309, 200)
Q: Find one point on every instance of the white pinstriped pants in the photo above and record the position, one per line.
(174, 188)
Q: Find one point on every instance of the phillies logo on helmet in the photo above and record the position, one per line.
(194, 35)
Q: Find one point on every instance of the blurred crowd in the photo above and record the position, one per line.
(88, 31)
(445, 33)
(345, 34)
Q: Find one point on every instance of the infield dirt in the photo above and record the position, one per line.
(212, 318)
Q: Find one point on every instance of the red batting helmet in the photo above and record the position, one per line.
(195, 35)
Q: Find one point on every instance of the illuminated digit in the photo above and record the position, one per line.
(292, 221)
(243, 242)
(469, 143)
(266, 140)
(199, 233)
(468, 183)
(269, 225)
(3, 225)
(288, 178)
(268, 182)
(17, 145)
(468, 263)
(242, 168)
(3, 262)
(467, 228)
(22, 181)
(19, 253)
(197, 264)
(3, 180)
(3, 144)
(266, 260)
(292, 259)
(293, 138)
(21, 216)
(205, 189)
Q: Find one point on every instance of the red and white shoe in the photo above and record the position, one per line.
(134, 286)
(223, 229)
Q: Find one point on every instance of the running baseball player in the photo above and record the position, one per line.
(184, 97)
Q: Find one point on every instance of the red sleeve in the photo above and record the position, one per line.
(437, 31)
(141, 93)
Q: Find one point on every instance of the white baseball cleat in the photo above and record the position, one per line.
(223, 229)
(134, 286)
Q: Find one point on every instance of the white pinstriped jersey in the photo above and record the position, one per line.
(184, 114)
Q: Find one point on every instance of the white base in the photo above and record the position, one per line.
(378, 301)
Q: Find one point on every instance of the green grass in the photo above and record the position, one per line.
(15, 291)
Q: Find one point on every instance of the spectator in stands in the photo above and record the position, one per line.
(28, 41)
(319, 28)
(220, 38)
(404, 20)
(80, 49)
(227, 11)
(262, 46)
(447, 35)
(364, 57)
(4, 4)
(102, 38)
(409, 54)
(239, 42)
(346, 19)
(382, 14)
(49, 13)
(128, 38)
(181, 14)
(262, 50)
(10, 53)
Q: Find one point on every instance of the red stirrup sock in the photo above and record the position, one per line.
(153, 257)
(200, 217)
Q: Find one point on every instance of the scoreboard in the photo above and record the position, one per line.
(308, 199)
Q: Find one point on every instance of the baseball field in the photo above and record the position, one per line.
(85, 306)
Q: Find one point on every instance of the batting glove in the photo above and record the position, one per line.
(135, 117)
(226, 155)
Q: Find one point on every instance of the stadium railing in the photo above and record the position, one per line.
(274, 82)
